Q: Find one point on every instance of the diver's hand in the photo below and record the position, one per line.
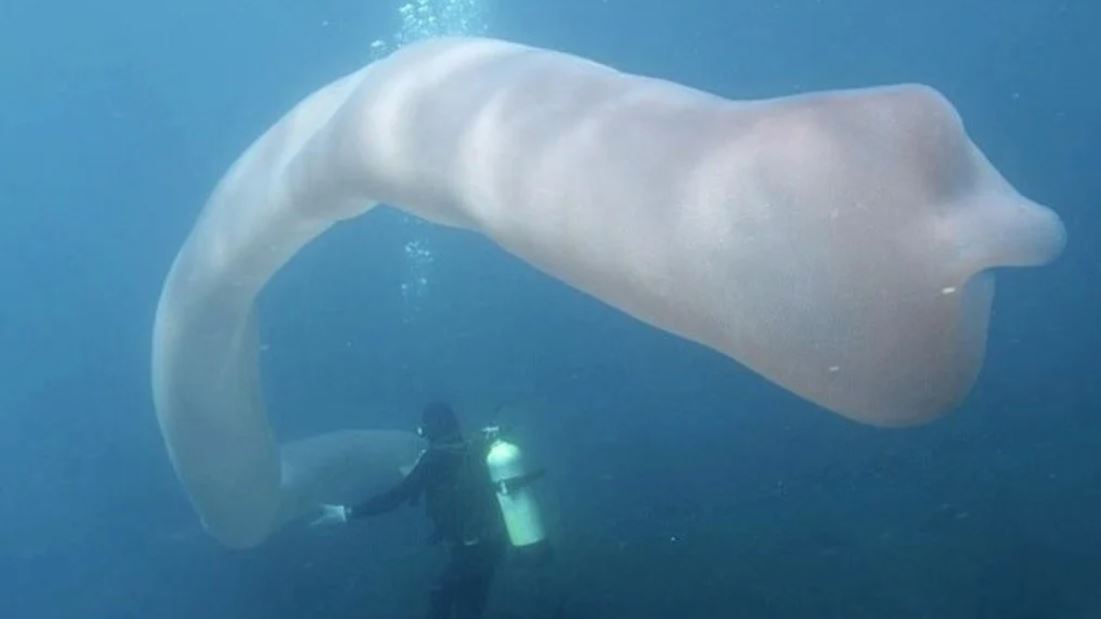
(330, 515)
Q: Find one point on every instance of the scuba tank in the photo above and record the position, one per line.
(512, 481)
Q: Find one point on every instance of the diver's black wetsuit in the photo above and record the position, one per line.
(459, 498)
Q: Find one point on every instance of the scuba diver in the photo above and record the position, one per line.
(474, 494)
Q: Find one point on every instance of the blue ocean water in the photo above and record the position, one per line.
(681, 484)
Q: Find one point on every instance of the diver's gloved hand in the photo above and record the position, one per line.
(330, 515)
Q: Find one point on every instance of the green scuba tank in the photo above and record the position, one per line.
(512, 481)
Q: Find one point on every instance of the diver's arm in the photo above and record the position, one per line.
(405, 491)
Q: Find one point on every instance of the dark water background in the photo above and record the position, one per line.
(682, 485)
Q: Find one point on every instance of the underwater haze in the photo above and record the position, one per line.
(680, 483)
